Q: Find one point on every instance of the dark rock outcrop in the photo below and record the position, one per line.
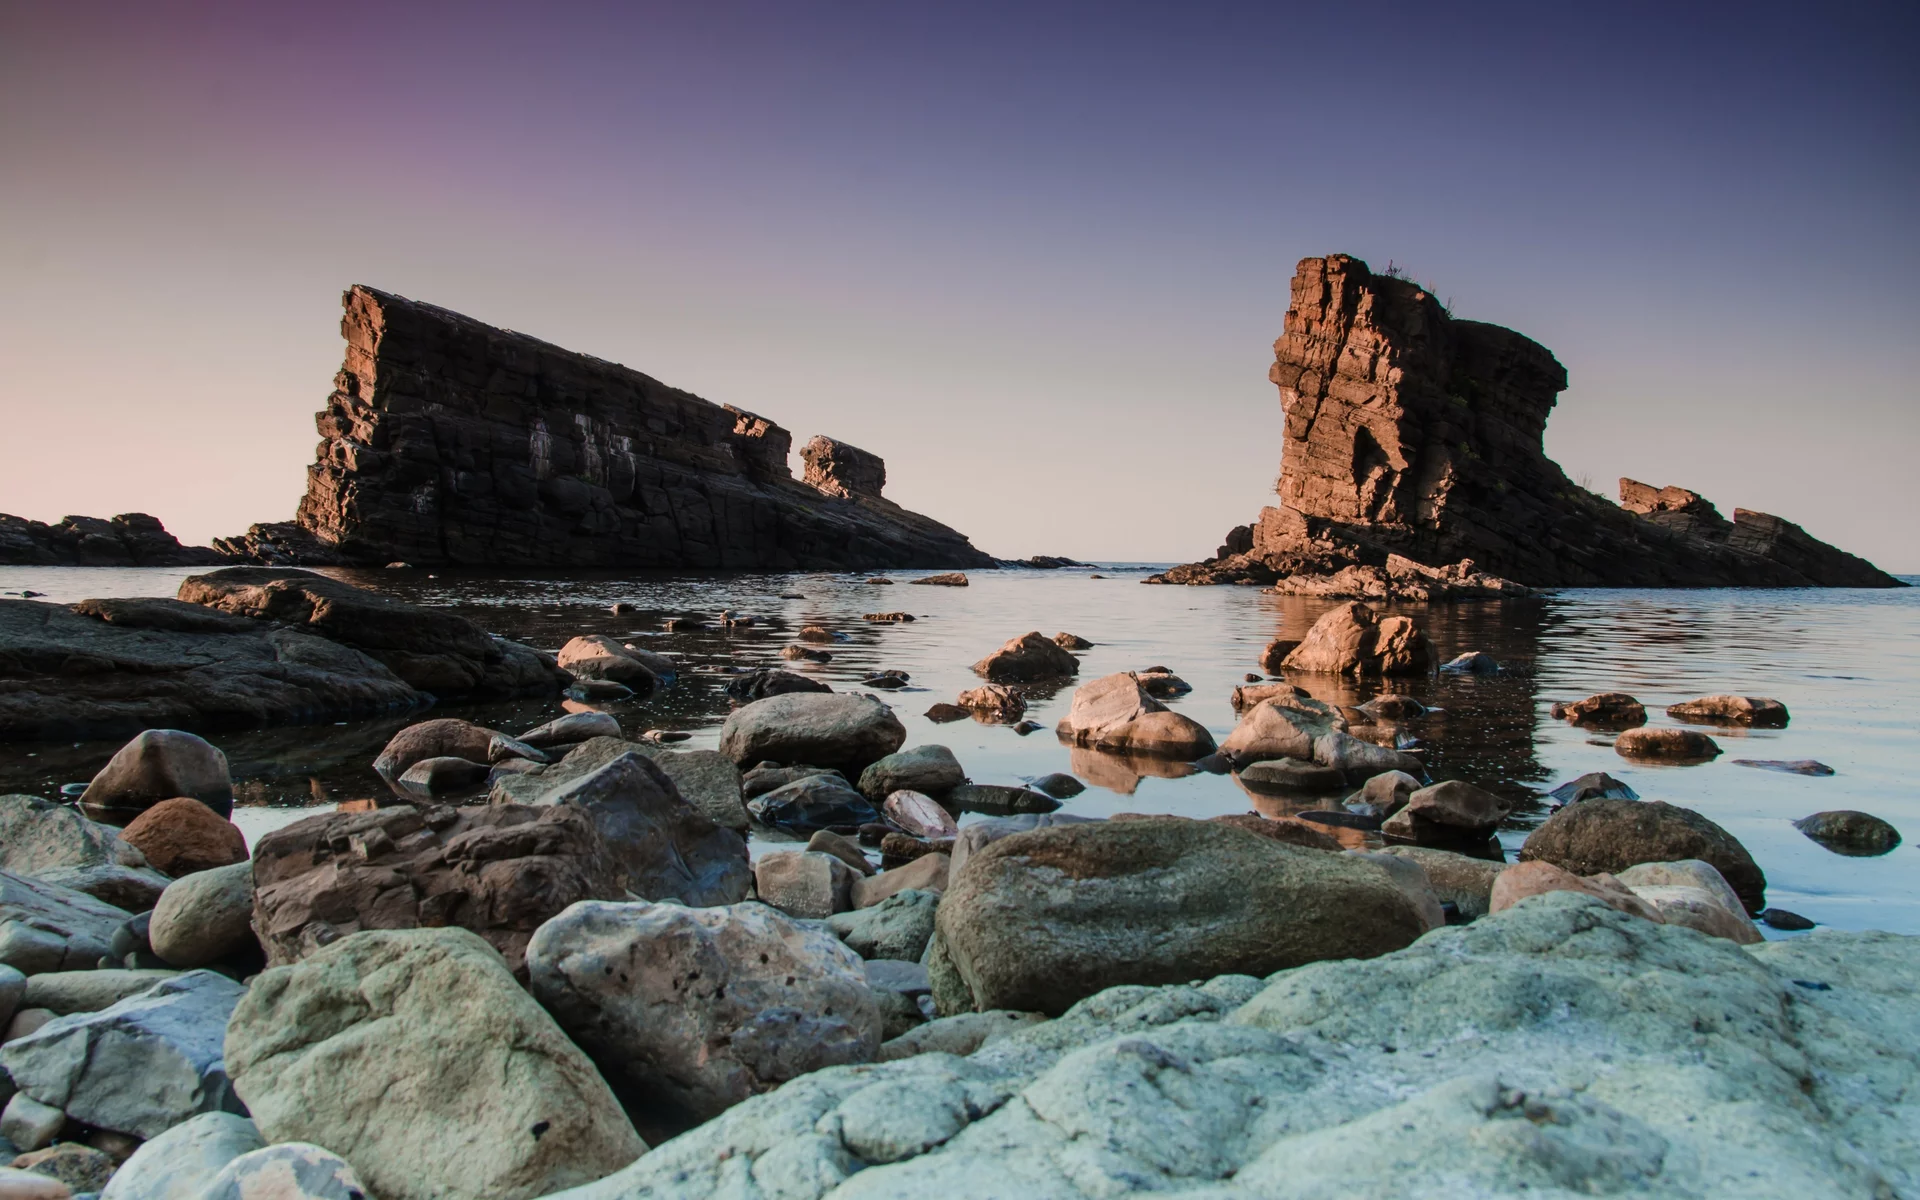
(450, 441)
(1411, 433)
(128, 540)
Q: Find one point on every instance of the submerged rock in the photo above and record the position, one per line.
(1594, 785)
(1473, 662)
(1845, 831)
(1758, 711)
(990, 702)
(1667, 745)
(1797, 766)
(769, 681)
(1603, 710)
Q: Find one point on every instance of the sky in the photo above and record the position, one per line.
(1035, 254)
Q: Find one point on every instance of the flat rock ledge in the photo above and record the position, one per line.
(1557, 1049)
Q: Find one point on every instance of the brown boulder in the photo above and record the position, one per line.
(1604, 710)
(1609, 836)
(158, 765)
(442, 737)
(1249, 694)
(1276, 653)
(182, 835)
(1071, 641)
(1453, 807)
(1116, 712)
(1758, 711)
(995, 702)
(1665, 744)
(1351, 639)
(1027, 658)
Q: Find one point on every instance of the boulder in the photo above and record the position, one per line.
(804, 654)
(288, 1171)
(1603, 710)
(1452, 808)
(443, 737)
(13, 985)
(431, 777)
(157, 765)
(1693, 894)
(1159, 683)
(1525, 880)
(140, 1066)
(571, 730)
(1758, 711)
(1040, 920)
(1286, 727)
(206, 918)
(135, 889)
(1115, 712)
(1291, 775)
(1275, 654)
(1351, 639)
(1025, 659)
(769, 681)
(927, 873)
(830, 730)
(1384, 794)
(1666, 745)
(1249, 694)
(698, 1009)
(1845, 831)
(929, 769)
(1280, 829)
(999, 799)
(1071, 641)
(845, 849)
(992, 702)
(46, 927)
(710, 782)
(600, 657)
(1473, 662)
(1392, 707)
(1059, 785)
(804, 883)
(503, 749)
(82, 1168)
(27, 1125)
(946, 579)
(182, 835)
(66, 992)
(1594, 785)
(182, 1162)
(667, 848)
(766, 777)
(919, 815)
(898, 927)
(38, 836)
(1411, 878)
(416, 1056)
(1609, 836)
(499, 871)
(1790, 766)
(811, 803)
(960, 1034)
(1457, 879)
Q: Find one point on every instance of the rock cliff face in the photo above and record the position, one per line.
(451, 442)
(1410, 432)
(128, 540)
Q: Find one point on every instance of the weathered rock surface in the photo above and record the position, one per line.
(1609, 836)
(1723, 709)
(1693, 894)
(930, 769)
(768, 681)
(142, 1065)
(697, 1009)
(182, 1162)
(450, 441)
(1307, 730)
(38, 836)
(1466, 883)
(1040, 920)
(288, 1171)
(811, 803)
(46, 927)
(1452, 806)
(918, 814)
(804, 883)
(183, 835)
(1351, 639)
(1411, 433)
(128, 540)
(1115, 712)
(1402, 580)
(205, 918)
(434, 651)
(112, 668)
(1025, 659)
(1523, 881)
(601, 657)
(1605, 710)
(442, 737)
(87, 991)
(82, 1168)
(898, 927)
(993, 702)
(834, 730)
(499, 871)
(415, 1056)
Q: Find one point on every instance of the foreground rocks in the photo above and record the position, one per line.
(416, 1057)
(1596, 836)
(1469, 1057)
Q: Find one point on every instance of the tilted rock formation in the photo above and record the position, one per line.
(1411, 433)
(450, 441)
(128, 540)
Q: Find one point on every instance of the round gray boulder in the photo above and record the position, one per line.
(827, 729)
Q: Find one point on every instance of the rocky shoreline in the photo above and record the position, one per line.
(548, 965)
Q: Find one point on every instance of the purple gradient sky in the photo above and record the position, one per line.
(1034, 255)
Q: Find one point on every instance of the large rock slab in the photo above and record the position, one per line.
(1115, 712)
(157, 765)
(499, 871)
(182, 1162)
(825, 730)
(46, 927)
(139, 1067)
(107, 669)
(1609, 836)
(416, 1057)
(697, 1009)
(1558, 1048)
(1041, 920)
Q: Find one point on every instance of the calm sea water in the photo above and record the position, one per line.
(1847, 663)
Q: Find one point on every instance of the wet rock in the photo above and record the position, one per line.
(442, 777)
(1787, 922)
(848, 851)
(1693, 894)
(1757, 711)
(886, 680)
(1291, 775)
(1071, 641)
(571, 729)
(1603, 710)
(1159, 682)
(180, 1163)
(1351, 639)
(1528, 879)
(1666, 745)
(1457, 879)
(443, 737)
(46, 927)
(391, 1046)
(597, 691)
(941, 714)
(1276, 653)
(810, 803)
(603, 658)
(927, 873)
(1116, 712)
(930, 769)
(81, 1168)
(157, 765)
(803, 654)
(919, 815)
(1025, 659)
(206, 918)
(1038, 921)
(768, 681)
(181, 836)
(500, 871)
(949, 579)
(1845, 831)
(140, 1066)
(1611, 835)
(1797, 766)
(999, 799)
(1383, 795)
(992, 702)
(898, 927)
(38, 836)
(1393, 708)
(1059, 785)
(667, 848)
(1594, 785)
(1473, 662)
(699, 1009)
(1453, 808)
(847, 732)
(804, 883)
(888, 618)
(1249, 694)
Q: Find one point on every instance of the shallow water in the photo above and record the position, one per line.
(1846, 663)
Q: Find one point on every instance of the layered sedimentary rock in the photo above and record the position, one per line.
(128, 540)
(1411, 433)
(450, 441)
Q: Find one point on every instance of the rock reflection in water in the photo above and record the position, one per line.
(1119, 772)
